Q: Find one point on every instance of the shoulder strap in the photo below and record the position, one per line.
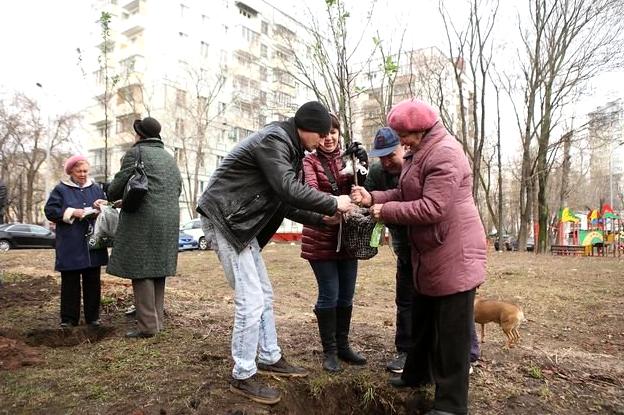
(330, 177)
(138, 162)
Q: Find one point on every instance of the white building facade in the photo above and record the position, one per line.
(211, 72)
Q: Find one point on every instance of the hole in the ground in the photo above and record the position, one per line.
(354, 395)
(67, 337)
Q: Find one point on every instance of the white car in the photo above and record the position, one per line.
(193, 228)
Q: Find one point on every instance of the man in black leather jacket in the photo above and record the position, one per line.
(254, 188)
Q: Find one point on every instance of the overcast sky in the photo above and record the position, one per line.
(40, 37)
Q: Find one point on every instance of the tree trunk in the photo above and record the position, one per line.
(501, 221)
(565, 169)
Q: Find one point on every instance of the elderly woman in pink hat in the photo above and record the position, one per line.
(448, 250)
(71, 207)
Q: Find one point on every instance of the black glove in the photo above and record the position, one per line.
(357, 149)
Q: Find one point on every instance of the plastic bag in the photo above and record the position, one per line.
(103, 234)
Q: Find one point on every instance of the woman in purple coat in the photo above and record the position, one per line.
(448, 250)
(68, 207)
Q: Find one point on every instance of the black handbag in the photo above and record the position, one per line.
(357, 234)
(136, 187)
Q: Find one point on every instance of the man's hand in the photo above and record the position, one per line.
(344, 203)
(332, 220)
(375, 211)
(360, 195)
(78, 213)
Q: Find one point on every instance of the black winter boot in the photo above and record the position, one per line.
(326, 318)
(343, 325)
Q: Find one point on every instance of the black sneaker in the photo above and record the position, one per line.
(256, 391)
(282, 368)
(396, 365)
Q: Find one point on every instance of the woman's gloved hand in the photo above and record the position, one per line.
(357, 149)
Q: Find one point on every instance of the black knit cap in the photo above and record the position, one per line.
(148, 127)
(313, 116)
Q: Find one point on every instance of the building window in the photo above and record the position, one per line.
(283, 99)
(180, 97)
(178, 155)
(263, 97)
(128, 64)
(221, 107)
(179, 127)
(261, 120)
(245, 13)
(124, 123)
(264, 75)
(130, 94)
(219, 160)
(249, 34)
(264, 51)
(203, 51)
(265, 27)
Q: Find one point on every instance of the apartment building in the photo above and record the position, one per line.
(425, 73)
(210, 72)
(605, 134)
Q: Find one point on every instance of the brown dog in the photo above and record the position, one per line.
(509, 316)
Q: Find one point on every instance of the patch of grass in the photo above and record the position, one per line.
(107, 301)
(13, 277)
(319, 383)
(535, 372)
(545, 392)
(369, 396)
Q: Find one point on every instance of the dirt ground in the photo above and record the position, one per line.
(570, 359)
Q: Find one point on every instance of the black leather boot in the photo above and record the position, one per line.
(343, 325)
(326, 318)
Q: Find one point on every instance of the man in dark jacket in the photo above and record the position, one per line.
(254, 188)
(3, 200)
(384, 175)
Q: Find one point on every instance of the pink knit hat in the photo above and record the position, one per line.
(72, 161)
(412, 115)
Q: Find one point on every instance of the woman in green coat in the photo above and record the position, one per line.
(146, 241)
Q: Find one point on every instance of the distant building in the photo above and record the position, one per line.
(605, 135)
(426, 74)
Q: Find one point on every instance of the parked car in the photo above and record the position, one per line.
(511, 243)
(194, 228)
(186, 242)
(530, 244)
(23, 235)
(508, 242)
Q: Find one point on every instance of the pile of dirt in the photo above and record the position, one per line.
(15, 354)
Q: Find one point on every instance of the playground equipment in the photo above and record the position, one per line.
(597, 233)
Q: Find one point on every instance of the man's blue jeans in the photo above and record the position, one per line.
(336, 282)
(254, 322)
